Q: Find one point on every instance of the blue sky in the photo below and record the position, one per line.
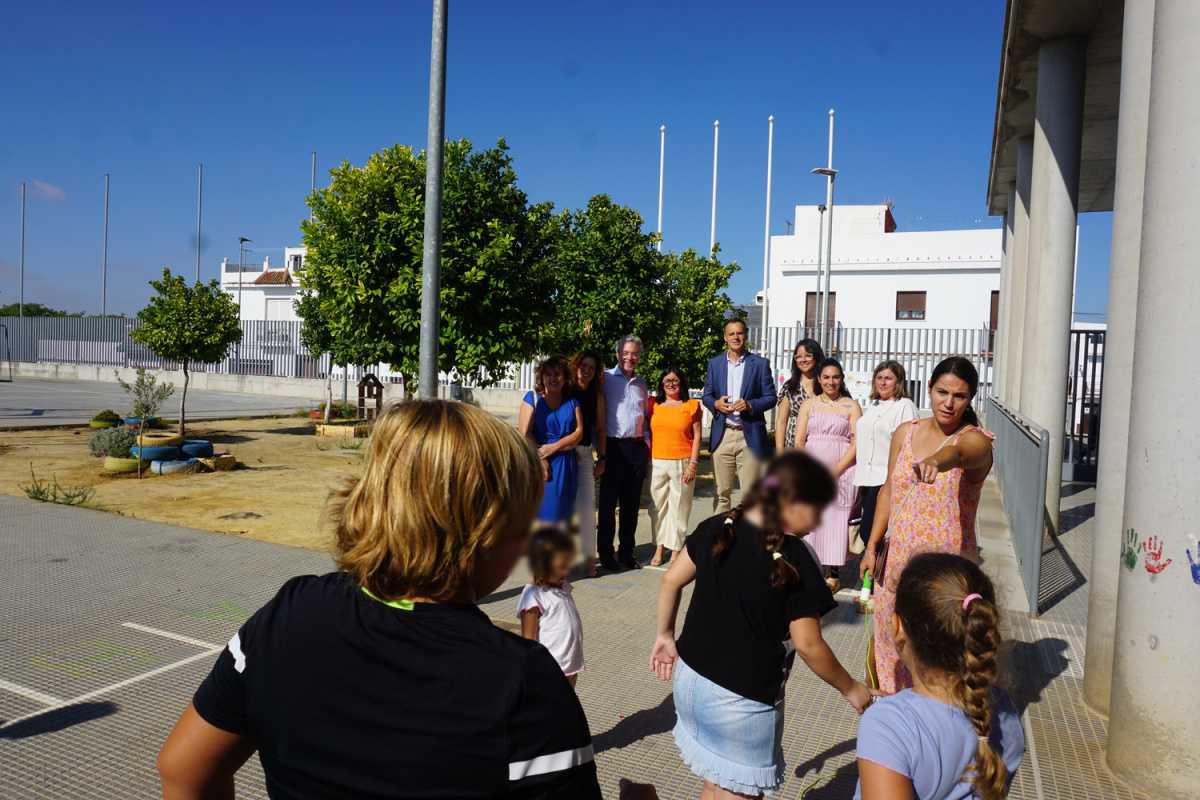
(145, 91)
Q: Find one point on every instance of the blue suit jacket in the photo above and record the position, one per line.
(758, 389)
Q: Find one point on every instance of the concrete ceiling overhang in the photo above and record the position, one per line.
(1028, 23)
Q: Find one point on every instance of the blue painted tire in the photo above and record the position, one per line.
(134, 421)
(155, 453)
(174, 466)
(197, 448)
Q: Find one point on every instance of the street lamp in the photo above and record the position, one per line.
(823, 299)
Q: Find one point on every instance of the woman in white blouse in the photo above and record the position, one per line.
(888, 408)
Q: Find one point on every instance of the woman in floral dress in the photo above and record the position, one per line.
(806, 359)
(935, 475)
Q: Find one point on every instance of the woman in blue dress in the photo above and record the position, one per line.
(552, 419)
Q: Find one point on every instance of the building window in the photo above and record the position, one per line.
(812, 309)
(297, 263)
(993, 321)
(910, 305)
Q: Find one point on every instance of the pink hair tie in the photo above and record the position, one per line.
(971, 598)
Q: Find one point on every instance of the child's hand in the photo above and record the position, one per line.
(860, 697)
(662, 656)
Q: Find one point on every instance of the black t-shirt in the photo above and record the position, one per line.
(737, 622)
(346, 696)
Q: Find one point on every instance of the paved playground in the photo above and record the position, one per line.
(31, 402)
(108, 625)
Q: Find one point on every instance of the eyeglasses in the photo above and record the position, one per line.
(670, 382)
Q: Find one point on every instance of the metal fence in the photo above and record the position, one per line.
(1085, 384)
(1022, 452)
(273, 348)
(860, 349)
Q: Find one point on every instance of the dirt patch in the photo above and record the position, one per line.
(279, 495)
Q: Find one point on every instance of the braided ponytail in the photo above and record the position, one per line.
(794, 477)
(981, 642)
(948, 609)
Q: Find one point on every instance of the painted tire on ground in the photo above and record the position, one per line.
(133, 422)
(158, 439)
(113, 464)
(197, 448)
(155, 453)
(170, 467)
(104, 423)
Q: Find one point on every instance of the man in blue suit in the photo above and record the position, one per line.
(739, 390)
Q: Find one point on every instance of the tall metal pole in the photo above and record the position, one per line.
(21, 298)
(104, 256)
(314, 182)
(662, 153)
(199, 217)
(712, 231)
(766, 303)
(431, 258)
(829, 238)
(820, 270)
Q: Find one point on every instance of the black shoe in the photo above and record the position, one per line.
(629, 562)
(610, 564)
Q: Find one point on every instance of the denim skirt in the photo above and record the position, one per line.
(727, 739)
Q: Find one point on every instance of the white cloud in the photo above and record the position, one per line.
(47, 191)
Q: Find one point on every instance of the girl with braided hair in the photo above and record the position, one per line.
(955, 734)
(758, 600)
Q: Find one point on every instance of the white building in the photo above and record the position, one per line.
(266, 291)
(885, 278)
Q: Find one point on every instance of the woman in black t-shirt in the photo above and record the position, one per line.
(384, 680)
(757, 585)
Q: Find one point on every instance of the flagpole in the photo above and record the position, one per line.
(200, 215)
(104, 256)
(662, 153)
(712, 231)
(766, 303)
(829, 176)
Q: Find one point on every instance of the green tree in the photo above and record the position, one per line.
(610, 280)
(35, 310)
(188, 324)
(316, 339)
(364, 262)
(694, 306)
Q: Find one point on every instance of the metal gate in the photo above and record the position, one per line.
(1085, 380)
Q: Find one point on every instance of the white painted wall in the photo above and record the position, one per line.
(958, 270)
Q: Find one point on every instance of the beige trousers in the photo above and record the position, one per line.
(733, 458)
(670, 502)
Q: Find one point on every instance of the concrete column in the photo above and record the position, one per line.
(1137, 41)
(1058, 125)
(1018, 260)
(1154, 728)
(999, 353)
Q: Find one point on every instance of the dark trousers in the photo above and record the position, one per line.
(869, 495)
(621, 484)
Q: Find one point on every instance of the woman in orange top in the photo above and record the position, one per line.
(674, 453)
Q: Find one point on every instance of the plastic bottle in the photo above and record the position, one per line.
(864, 594)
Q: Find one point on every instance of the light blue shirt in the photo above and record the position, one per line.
(625, 405)
(733, 383)
(932, 743)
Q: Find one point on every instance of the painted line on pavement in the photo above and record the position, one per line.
(173, 636)
(29, 694)
(112, 687)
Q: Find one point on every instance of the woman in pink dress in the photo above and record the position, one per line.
(825, 430)
(935, 475)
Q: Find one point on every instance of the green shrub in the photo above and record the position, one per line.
(53, 492)
(107, 415)
(113, 442)
(341, 410)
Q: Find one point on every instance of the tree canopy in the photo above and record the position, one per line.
(610, 280)
(188, 324)
(364, 262)
(35, 310)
